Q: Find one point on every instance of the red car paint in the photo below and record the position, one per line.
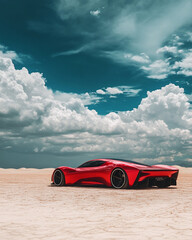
(101, 175)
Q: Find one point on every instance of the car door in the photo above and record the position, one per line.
(92, 172)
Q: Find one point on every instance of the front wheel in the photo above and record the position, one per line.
(58, 178)
(119, 178)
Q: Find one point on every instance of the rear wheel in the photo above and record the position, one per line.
(119, 178)
(58, 178)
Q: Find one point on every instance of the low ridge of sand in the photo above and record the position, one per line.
(32, 209)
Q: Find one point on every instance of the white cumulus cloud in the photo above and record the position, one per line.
(185, 65)
(158, 69)
(169, 49)
(5, 53)
(95, 13)
(113, 90)
(35, 119)
(127, 90)
(100, 91)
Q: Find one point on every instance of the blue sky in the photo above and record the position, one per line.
(113, 78)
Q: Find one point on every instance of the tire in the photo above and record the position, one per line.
(58, 178)
(119, 179)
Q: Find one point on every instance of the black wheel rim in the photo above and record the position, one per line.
(57, 177)
(118, 178)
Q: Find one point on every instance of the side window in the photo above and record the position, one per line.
(97, 163)
(91, 164)
(87, 164)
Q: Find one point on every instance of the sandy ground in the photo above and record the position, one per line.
(32, 209)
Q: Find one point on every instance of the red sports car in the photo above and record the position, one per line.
(116, 173)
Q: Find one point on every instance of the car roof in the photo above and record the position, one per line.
(120, 160)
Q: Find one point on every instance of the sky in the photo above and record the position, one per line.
(86, 79)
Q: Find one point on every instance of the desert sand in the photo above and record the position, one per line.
(30, 208)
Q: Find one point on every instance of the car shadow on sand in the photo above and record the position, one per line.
(105, 187)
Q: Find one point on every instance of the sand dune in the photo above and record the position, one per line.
(31, 209)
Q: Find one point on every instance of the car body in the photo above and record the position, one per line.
(116, 173)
